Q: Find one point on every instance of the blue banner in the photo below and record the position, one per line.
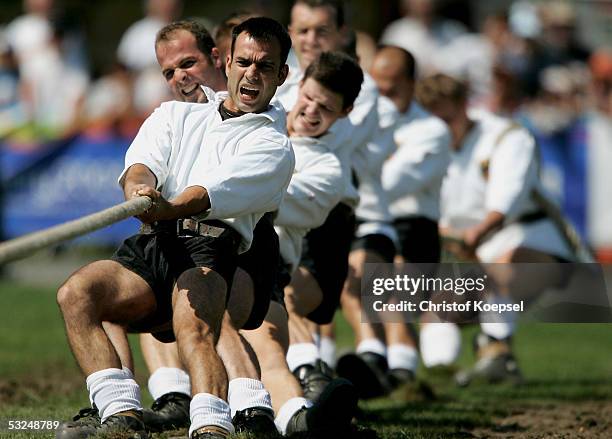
(61, 182)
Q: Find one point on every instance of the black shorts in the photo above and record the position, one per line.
(378, 243)
(161, 257)
(419, 239)
(325, 255)
(261, 262)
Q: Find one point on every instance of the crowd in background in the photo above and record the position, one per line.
(524, 62)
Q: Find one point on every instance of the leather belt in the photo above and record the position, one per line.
(183, 227)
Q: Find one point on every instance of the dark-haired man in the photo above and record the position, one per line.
(412, 176)
(212, 170)
(317, 26)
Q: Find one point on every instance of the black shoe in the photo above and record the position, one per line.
(256, 420)
(168, 412)
(313, 379)
(495, 363)
(88, 416)
(210, 432)
(330, 415)
(367, 371)
(85, 426)
(398, 377)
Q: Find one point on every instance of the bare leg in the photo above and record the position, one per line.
(118, 337)
(101, 291)
(237, 355)
(198, 307)
(270, 342)
(302, 297)
(351, 297)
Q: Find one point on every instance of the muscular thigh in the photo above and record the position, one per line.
(119, 295)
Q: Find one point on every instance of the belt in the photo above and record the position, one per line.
(183, 227)
(531, 217)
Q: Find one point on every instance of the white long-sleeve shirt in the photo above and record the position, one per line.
(412, 176)
(467, 196)
(245, 163)
(351, 134)
(314, 190)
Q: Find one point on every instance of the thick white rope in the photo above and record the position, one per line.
(24, 246)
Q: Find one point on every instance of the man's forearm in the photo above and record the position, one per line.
(137, 175)
(192, 201)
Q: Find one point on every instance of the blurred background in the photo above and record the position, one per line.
(78, 78)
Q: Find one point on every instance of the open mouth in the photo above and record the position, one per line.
(312, 123)
(249, 93)
(189, 90)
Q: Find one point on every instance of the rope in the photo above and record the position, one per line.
(24, 246)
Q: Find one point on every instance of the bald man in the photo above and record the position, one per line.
(411, 178)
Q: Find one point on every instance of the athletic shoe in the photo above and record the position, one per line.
(210, 432)
(314, 379)
(129, 424)
(168, 412)
(256, 420)
(399, 376)
(495, 363)
(367, 371)
(330, 415)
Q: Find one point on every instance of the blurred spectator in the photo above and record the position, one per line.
(137, 46)
(108, 105)
(556, 44)
(599, 132)
(423, 33)
(482, 59)
(150, 90)
(12, 113)
(31, 32)
(53, 90)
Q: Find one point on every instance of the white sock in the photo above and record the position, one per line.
(245, 393)
(402, 356)
(113, 391)
(208, 409)
(169, 379)
(289, 409)
(373, 345)
(498, 325)
(300, 354)
(440, 344)
(327, 350)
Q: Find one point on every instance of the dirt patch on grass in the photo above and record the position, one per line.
(582, 419)
(37, 387)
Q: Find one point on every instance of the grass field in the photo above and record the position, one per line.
(568, 389)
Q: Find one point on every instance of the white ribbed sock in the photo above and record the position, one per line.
(327, 350)
(289, 409)
(113, 391)
(245, 393)
(440, 344)
(495, 324)
(300, 354)
(169, 379)
(402, 356)
(208, 409)
(373, 345)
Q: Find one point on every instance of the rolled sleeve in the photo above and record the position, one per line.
(152, 146)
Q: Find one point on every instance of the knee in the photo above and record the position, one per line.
(74, 298)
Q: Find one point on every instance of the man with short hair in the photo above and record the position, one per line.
(326, 94)
(411, 176)
(487, 201)
(180, 270)
(316, 26)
